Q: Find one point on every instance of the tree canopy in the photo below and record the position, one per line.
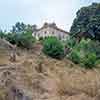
(21, 35)
(20, 27)
(87, 21)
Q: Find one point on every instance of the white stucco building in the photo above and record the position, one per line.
(50, 29)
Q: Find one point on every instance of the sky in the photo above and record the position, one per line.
(62, 12)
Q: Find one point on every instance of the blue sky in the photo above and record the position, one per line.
(39, 11)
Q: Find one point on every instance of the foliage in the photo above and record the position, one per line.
(30, 28)
(53, 47)
(25, 40)
(94, 46)
(88, 22)
(20, 27)
(12, 38)
(89, 60)
(21, 35)
(2, 34)
(98, 62)
(75, 56)
(70, 42)
(85, 53)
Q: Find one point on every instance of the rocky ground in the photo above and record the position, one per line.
(37, 77)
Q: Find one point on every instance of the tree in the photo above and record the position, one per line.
(87, 21)
(30, 28)
(18, 27)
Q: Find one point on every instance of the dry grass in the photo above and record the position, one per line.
(64, 78)
(4, 58)
(58, 80)
(74, 80)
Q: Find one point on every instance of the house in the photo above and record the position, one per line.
(50, 29)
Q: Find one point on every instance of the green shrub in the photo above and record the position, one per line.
(12, 38)
(75, 56)
(85, 53)
(70, 42)
(89, 60)
(53, 47)
(25, 40)
(2, 34)
(98, 62)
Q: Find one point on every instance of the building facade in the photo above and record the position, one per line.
(50, 30)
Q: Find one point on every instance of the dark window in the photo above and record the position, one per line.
(60, 37)
(63, 36)
(38, 35)
(34, 34)
(45, 32)
(52, 32)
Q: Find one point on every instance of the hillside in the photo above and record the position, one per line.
(35, 76)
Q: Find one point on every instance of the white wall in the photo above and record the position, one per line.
(50, 32)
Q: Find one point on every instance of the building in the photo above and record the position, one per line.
(50, 29)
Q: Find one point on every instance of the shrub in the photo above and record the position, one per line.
(84, 53)
(75, 56)
(12, 38)
(94, 46)
(25, 40)
(2, 34)
(53, 47)
(98, 62)
(89, 60)
(70, 42)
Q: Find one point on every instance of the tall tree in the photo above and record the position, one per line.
(87, 21)
(18, 27)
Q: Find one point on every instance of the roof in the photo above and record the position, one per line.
(52, 25)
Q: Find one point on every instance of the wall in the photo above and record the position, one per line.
(49, 31)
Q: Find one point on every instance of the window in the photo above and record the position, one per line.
(38, 35)
(52, 32)
(63, 36)
(34, 34)
(60, 37)
(45, 32)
